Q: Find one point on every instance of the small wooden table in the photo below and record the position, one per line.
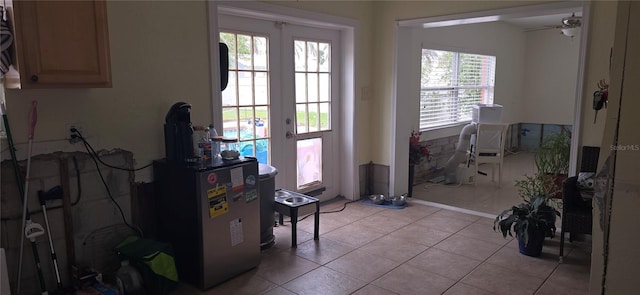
(293, 205)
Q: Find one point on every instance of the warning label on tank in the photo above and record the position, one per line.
(218, 204)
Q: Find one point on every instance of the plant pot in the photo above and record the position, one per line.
(534, 248)
(549, 214)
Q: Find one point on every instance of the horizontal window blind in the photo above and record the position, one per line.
(451, 83)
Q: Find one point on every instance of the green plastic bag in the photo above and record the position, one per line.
(154, 260)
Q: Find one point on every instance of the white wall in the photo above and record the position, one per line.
(600, 41)
(601, 133)
(551, 71)
(618, 264)
(159, 56)
(362, 12)
(387, 13)
(535, 71)
(504, 41)
(375, 55)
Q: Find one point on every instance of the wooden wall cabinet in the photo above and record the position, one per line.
(62, 44)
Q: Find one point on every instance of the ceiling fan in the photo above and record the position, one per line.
(569, 26)
(572, 21)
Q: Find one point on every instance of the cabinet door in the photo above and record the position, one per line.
(62, 44)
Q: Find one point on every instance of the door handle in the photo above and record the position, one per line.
(290, 134)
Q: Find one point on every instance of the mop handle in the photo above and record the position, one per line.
(33, 118)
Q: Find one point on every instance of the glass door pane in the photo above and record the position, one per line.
(246, 100)
(312, 86)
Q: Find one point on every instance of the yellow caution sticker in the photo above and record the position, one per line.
(218, 204)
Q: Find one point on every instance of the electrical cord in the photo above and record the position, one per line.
(87, 144)
(75, 167)
(95, 158)
(344, 206)
(106, 186)
(334, 211)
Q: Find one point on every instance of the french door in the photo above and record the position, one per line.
(281, 99)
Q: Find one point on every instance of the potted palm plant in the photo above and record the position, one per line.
(553, 159)
(529, 223)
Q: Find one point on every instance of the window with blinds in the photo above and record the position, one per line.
(451, 83)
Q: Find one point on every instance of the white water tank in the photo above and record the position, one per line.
(486, 113)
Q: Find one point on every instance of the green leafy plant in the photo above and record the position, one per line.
(535, 185)
(553, 155)
(538, 185)
(526, 219)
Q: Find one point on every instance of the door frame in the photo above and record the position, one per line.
(349, 181)
(331, 168)
(398, 166)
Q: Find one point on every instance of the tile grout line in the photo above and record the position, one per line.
(552, 272)
(405, 262)
(430, 247)
(360, 218)
(323, 264)
(359, 248)
(476, 267)
(479, 264)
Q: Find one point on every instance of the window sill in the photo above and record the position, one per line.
(442, 131)
(446, 126)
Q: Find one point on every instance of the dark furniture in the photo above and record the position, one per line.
(577, 216)
(576, 212)
(294, 204)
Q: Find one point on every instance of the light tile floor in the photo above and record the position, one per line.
(417, 250)
(485, 196)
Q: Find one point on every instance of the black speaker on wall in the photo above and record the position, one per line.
(224, 66)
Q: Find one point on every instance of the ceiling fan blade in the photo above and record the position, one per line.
(541, 28)
(572, 21)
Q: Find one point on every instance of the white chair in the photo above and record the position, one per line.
(489, 148)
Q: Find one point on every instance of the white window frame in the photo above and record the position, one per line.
(455, 88)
